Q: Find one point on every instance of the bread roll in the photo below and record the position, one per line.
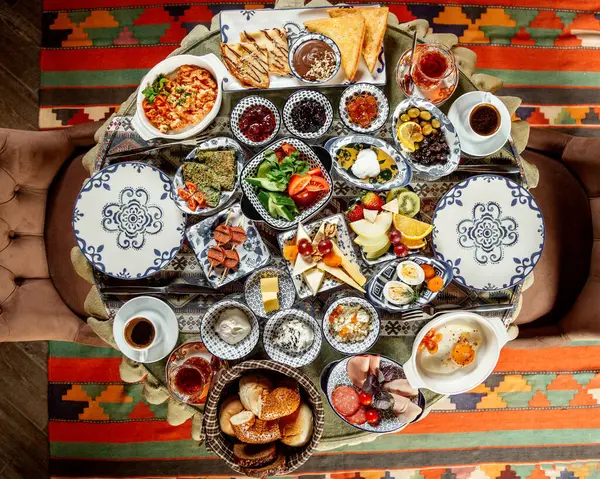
(281, 402)
(250, 430)
(230, 407)
(297, 428)
(254, 455)
(252, 387)
(273, 469)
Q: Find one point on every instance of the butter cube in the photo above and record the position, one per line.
(269, 285)
(270, 301)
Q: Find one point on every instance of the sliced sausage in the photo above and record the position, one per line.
(222, 234)
(232, 258)
(238, 235)
(216, 256)
(345, 400)
(359, 417)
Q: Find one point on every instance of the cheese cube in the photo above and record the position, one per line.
(270, 301)
(269, 285)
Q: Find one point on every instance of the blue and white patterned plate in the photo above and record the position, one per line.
(383, 107)
(241, 107)
(284, 357)
(253, 253)
(126, 222)
(387, 273)
(403, 177)
(358, 346)
(213, 341)
(219, 143)
(306, 38)
(344, 243)
(429, 173)
(490, 231)
(296, 98)
(253, 295)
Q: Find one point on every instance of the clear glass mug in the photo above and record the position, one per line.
(432, 75)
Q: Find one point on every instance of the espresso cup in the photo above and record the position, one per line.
(141, 333)
(484, 119)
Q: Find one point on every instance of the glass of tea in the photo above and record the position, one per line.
(191, 380)
(432, 74)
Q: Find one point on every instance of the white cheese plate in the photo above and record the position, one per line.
(234, 22)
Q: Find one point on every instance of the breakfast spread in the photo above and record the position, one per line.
(269, 418)
(180, 99)
(233, 326)
(350, 323)
(448, 348)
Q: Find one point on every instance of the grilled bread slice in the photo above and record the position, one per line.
(275, 41)
(348, 33)
(376, 24)
(247, 62)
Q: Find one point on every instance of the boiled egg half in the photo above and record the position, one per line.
(410, 273)
(398, 293)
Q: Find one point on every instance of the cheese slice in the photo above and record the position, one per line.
(392, 206)
(314, 280)
(339, 274)
(370, 215)
(269, 285)
(319, 235)
(302, 264)
(270, 302)
(352, 269)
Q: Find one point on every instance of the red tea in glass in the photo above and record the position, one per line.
(432, 74)
(192, 379)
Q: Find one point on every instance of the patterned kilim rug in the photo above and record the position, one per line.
(536, 417)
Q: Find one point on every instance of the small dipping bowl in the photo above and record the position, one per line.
(306, 49)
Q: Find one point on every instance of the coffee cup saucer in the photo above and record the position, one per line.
(472, 144)
(160, 313)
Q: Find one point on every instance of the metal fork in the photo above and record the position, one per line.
(428, 312)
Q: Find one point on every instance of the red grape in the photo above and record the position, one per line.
(372, 416)
(325, 246)
(304, 247)
(365, 399)
(395, 237)
(401, 250)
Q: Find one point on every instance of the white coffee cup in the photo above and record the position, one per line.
(141, 332)
(486, 101)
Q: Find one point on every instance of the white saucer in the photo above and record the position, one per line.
(470, 143)
(161, 314)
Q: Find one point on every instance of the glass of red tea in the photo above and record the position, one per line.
(191, 380)
(432, 74)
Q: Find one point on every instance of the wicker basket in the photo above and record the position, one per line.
(222, 445)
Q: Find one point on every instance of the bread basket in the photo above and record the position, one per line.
(222, 445)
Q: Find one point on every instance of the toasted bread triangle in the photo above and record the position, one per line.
(376, 24)
(348, 33)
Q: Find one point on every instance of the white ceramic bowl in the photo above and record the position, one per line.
(211, 63)
(495, 336)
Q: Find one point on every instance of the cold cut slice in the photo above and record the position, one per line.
(358, 369)
(359, 417)
(345, 400)
(401, 387)
(405, 409)
(374, 362)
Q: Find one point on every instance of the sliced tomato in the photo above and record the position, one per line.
(288, 149)
(317, 184)
(191, 186)
(305, 198)
(297, 184)
(315, 172)
(184, 194)
(200, 199)
(192, 204)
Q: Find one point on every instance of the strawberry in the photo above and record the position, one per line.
(355, 213)
(372, 201)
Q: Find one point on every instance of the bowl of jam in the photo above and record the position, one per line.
(363, 108)
(307, 114)
(314, 58)
(255, 121)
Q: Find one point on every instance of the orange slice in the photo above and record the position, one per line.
(411, 228)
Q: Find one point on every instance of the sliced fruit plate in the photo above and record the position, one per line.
(320, 257)
(408, 283)
(385, 225)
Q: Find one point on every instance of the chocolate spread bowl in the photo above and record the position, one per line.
(304, 51)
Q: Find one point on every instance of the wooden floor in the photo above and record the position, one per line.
(23, 369)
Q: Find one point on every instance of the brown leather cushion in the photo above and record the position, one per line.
(563, 268)
(60, 238)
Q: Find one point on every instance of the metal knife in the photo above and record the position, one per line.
(177, 288)
(500, 169)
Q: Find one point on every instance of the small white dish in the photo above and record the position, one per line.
(210, 62)
(494, 335)
(383, 106)
(295, 360)
(471, 143)
(218, 346)
(253, 295)
(296, 98)
(160, 315)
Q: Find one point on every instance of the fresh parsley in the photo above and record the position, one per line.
(157, 88)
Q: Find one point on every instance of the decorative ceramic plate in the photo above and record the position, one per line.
(344, 243)
(219, 143)
(306, 153)
(234, 22)
(296, 98)
(213, 341)
(253, 296)
(470, 143)
(126, 222)
(276, 354)
(490, 231)
(165, 323)
(307, 37)
(383, 107)
(388, 422)
(253, 253)
(402, 178)
(376, 285)
(429, 173)
(358, 346)
(191, 349)
(241, 107)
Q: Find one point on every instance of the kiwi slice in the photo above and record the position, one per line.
(409, 204)
(394, 193)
